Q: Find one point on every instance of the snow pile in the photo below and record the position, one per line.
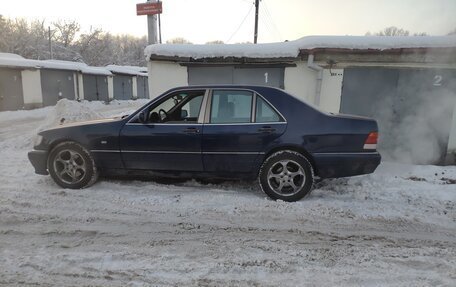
(66, 111)
(291, 49)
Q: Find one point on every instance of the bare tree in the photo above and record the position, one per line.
(393, 31)
(31, 40)
(178, 40)
(215, 42)
(65, 31)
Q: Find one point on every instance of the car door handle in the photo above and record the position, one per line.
(191, 131)
(266, 130)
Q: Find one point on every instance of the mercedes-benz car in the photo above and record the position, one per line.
(214, 132)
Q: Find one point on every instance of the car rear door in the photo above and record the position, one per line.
(234, 133)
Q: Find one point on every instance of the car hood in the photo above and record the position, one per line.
(85, 123)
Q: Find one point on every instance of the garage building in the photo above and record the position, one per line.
(129, 82)
(406, 83)
(26, 84)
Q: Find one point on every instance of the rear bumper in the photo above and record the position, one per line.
(330, 165)
(38, 158)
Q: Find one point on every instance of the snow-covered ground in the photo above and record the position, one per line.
(395, 227)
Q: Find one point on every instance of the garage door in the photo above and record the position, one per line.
(123, 87)
(95, 88)
(11, 95)
(271, 77)
(263, 76)
(56, 85)
(414, 109)
(143, 87)
(210, 75)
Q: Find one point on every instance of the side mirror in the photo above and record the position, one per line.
(142, 117)
(184, 114)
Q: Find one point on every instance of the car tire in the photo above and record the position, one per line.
(71, 166)
(286, 175)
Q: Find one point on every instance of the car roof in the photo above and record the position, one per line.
(226, 86)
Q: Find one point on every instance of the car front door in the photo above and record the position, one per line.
(238, 127)
(168, 137)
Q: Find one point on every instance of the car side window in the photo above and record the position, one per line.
(265, 113)
(231, 106)
(177, 108)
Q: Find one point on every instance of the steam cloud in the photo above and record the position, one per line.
(415, 122)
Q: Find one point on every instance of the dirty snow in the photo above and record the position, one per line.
(291, 48)
(395, 227)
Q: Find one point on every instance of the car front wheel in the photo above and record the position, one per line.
(286, 175)
(72, 166)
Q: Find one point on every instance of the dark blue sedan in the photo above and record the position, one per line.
(214, 132)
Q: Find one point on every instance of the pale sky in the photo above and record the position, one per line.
(205, 20)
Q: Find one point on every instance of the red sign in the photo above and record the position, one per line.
(149, 8)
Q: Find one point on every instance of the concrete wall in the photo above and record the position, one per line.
(135, 87)
(331, 90)
(111, 87)
(300, 81)
(80, 86)
(164, 76)
(31, 87)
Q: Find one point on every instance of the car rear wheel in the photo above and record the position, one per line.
(71, 166)
(286, 175)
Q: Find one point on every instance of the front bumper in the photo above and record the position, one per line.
(38, 158)
(331, 165)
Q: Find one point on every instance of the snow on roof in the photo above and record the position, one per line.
(137, 68)
(74, 66)
(13, 60)
(101, 71)
(10, 56)
(291, 49)
(128, 70)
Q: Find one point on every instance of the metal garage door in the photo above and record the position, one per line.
(95, 88)
(56, 85)
(123, 87)
(210, 75)
(11, 94)
(412, 106)
(143, 87)
(273, 77)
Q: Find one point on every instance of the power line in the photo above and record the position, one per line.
(240, 25)
(269, 18)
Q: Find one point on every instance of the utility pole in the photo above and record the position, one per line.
(50, 42)
(152, 28)
(257, 7)
(159, 28)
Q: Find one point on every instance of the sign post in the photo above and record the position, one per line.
(151, 9)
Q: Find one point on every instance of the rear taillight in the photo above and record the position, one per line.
(371, 141)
